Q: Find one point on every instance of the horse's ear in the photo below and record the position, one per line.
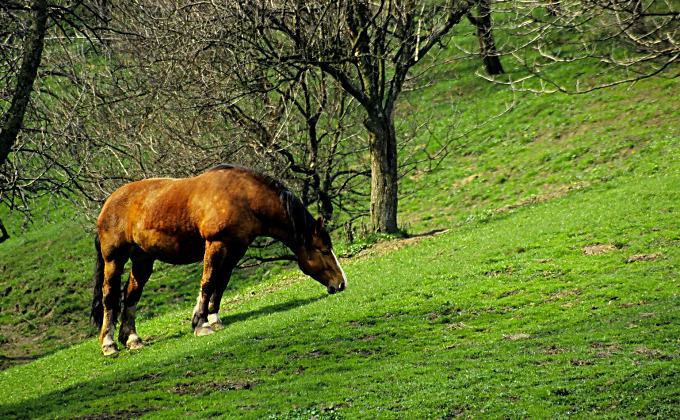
(318, 226)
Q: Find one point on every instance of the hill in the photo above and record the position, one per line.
(552, 291)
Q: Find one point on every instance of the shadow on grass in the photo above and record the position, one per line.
(266, 310)
(105, 389)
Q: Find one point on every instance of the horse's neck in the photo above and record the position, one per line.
(278, 225)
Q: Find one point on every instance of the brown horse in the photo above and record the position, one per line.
(212, 217)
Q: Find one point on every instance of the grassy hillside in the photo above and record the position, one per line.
(552, 290)
(565, 307)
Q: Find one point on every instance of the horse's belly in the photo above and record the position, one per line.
(172, 249)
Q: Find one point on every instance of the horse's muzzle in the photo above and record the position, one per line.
(334, 289)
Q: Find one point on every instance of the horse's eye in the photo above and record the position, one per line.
(326, 252)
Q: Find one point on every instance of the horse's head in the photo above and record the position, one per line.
(318, 260)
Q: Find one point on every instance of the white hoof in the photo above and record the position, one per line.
(134, 342)
(215, 322)
(204, 329)
(109, 347)
(109, 350)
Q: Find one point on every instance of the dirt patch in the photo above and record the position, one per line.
(553, 349)
(388, 246)
(465, 181)
(605, 350)
(562, 294)
(632, 304)
(516, 337)
(508, 293)
(652, 353)
(555, 192)
(203, 388)
(644, 257)
(314, 354)
(599, 249)
(366, 352)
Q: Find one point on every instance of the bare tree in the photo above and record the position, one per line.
(181, 86)
(34, 37)
(171, 88)
(627, 40)
(367, 47)
(307, 129)
(12, 119)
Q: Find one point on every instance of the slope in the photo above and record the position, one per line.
(560, 308)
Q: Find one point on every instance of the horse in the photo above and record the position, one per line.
(213, 217)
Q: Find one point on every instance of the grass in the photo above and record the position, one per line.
(547, 146)
(508, 317)
(551, 292)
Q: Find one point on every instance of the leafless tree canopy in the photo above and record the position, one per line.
(627, 40)
(305, 90)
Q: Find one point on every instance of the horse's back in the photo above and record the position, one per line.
(170, 219)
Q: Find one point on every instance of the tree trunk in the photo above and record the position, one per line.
(383, 150)
(3, 233)
(553, 7)
(638, 22)
(14, 117)
(487, 45)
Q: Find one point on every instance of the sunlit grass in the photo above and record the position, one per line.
(504, 317)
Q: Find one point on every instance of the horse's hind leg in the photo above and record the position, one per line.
(142, 267)
(111, 302)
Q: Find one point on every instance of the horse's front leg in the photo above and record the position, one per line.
(213, 262)
(139, 275)
(215, 300)
(236, 251)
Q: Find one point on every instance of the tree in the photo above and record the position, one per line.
(174, 87)
(626, 40)
(367, 47)
(188, 102)
(38, 39)
(12, 119)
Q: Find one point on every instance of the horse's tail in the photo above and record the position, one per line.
(97, 314)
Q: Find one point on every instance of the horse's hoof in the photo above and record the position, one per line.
(134, 343)
(109, 350)
(204, 329)
(215, 322)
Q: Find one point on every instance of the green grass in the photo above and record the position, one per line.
(545, 147)
(507, 317)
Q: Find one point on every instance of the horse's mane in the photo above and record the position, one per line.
(301, 220)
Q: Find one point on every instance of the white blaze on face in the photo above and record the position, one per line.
(344, 277)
